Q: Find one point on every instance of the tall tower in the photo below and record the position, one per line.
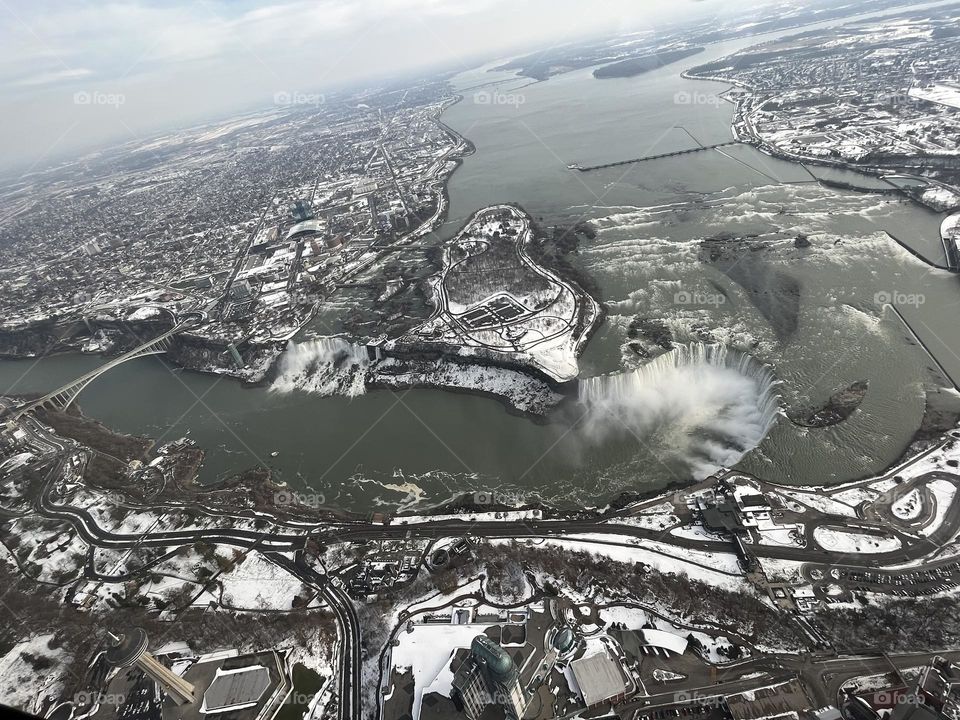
(501, 676)
(131, 649)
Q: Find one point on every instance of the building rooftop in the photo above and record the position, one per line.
(664, 640)
(599, 678)
(233, 689)
(307, 226)
(245, 687)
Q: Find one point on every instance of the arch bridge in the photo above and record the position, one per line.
(63, 397)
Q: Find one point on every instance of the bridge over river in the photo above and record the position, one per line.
(63, 397)
(675, 153)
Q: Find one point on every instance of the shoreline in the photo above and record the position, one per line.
(253, 493)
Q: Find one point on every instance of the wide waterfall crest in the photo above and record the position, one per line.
(325, 366)
(703, 404)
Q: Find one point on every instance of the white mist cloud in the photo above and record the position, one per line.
(699, 406)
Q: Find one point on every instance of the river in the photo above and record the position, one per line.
(812, 316)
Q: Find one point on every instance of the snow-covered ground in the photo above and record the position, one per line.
(144, 313)
(21, 684)
(909, 506)
(778, 570)
(940, 198)
(719, 568)
(649, 521)
(819, 502)
(258, 584)
(695, 532)
(522, 391)
(944, 493)
(855, 496)
(426, 652)
(948, 95)
(786, 535)
(507, 515)
(837, 540)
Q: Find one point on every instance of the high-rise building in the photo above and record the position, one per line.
(301, 211)
(936, 695)
(487, 676)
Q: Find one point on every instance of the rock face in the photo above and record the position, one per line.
(838, 408)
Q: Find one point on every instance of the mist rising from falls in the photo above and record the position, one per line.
(325, 366)
(699, 407)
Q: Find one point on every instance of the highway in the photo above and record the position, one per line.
(918, 549)
(552, 528)
(271, 544)
(348, 628)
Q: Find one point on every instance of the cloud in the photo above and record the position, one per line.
(179, 61)
(54, 77)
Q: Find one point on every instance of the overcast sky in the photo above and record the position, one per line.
(77, 74)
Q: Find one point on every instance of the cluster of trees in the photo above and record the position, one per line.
(688, 599)
(505, 580)
(497, 269)
(94, 435)
(900, 625)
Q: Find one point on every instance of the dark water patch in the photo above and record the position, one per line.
(775, 293)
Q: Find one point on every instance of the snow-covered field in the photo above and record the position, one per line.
(258, 584)
(21, 684)
(944, 492)
(909, 506)
(948, 95)
(838, 540)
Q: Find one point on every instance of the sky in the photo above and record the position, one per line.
(75, 75)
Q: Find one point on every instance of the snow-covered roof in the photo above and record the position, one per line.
(665, 640)
(304, 227)
(237, 688)
(599, 678)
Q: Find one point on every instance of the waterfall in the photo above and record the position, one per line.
(325, 366)
(705, 405)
